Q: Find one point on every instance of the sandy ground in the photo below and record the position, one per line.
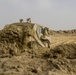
(59, 60)
(62, 39)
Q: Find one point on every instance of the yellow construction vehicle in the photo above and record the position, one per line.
(28, 34)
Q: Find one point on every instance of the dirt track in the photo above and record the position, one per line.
(62, 39)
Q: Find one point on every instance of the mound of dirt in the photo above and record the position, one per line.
(13, 38)
(64, 57)
(63, 32)
(15, 59)
(56, 61)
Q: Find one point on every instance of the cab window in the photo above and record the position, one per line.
(38, 30)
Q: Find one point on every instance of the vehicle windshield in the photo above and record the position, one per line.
(39, 30)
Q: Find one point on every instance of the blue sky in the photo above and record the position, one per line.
(55, 14)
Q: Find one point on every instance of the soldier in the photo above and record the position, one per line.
(21, 20)
(28, 20)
